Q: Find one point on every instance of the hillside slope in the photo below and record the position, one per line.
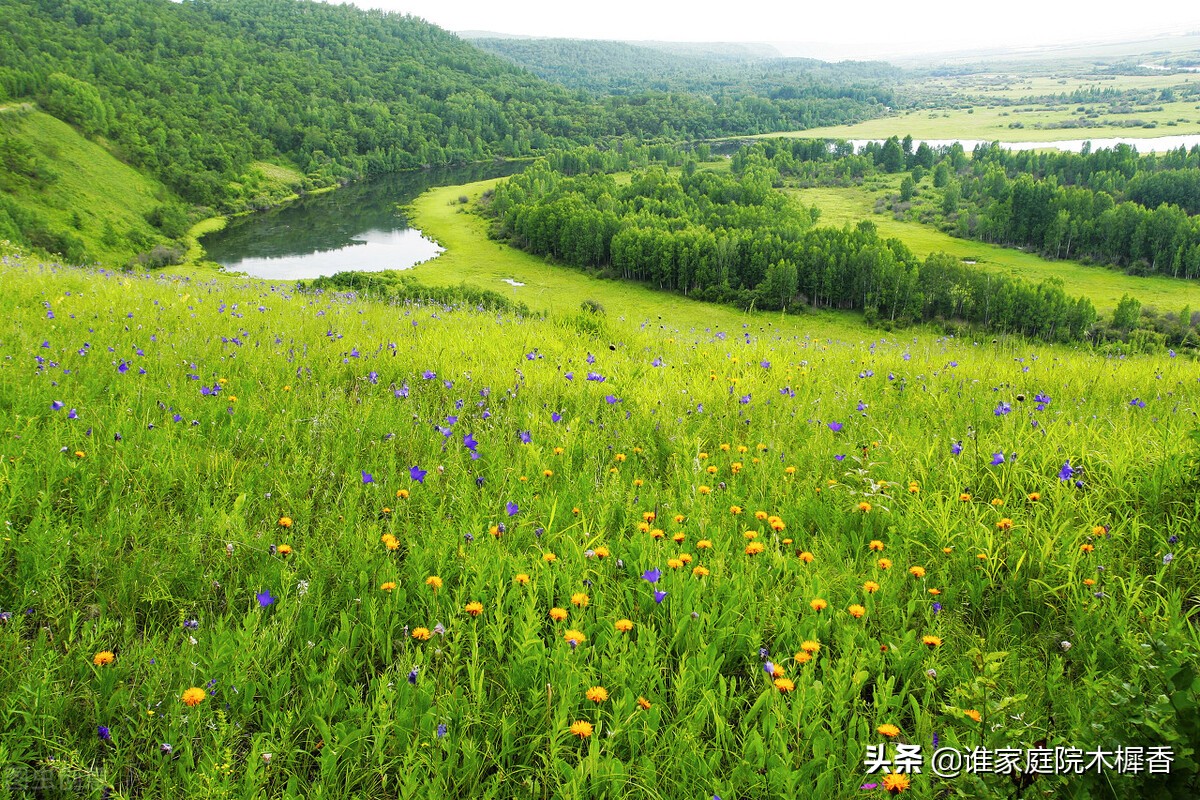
(65, 194)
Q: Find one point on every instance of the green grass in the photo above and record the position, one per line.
(992, 124)
(473, 258)
(143, 503)
(92, 188)
(1015, 86)
(1104, 287)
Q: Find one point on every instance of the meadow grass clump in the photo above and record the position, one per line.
(266, 543)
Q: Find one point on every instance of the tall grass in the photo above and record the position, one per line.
(206, 424)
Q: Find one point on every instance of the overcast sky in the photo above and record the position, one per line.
(860, 27)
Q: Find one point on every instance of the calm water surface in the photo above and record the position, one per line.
(359, 227)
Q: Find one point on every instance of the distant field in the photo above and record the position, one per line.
(473, 258)
(1012, 86)
(1104, 287)
(992, 124)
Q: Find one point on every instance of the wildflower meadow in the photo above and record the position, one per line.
(266, 541)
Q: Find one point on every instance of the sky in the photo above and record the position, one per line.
(858, 28)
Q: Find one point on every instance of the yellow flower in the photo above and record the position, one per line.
(387, 586)
(103, 658)
(735, 467)
(750, 534)
(402, 494)
(390, 541)
(702, 456)
(917, 572)
(643, 527)
(914, 487)
(760, 515)
(884, 563)
(787, 541)
(597, 694)
(581, 729)
(601, 552)
(965, 497)
(699, 571)
(521, 578)
(547, 473)
(735, 510)
(494, 531)
(876, 545)
(857, 611)
(558, 614)
(575, 636)
(679, 537)
(888, 730)
(558, 451)
(935, 592)
(193, 697)
(579, 599)
(421, 634)
(776, 524)
(870, 587)
(803, 658)
(711, 470)
(776, 671)
(784, 684)
(285, 522)
(80, 454)
(973, 714)
(1086, 548)
(864, 507)
(637, 482)
(549, 558)
(643, 703)
(754, 548)
(704, 490)
(818, 604)
(434, 581)
(704, 544)
(931, 641)
(657, 533)
(619, 457)
(623, 625)
(679, 518)
(474, 608)
(1089, 582)
(724, 448)
(1034, 496)
(674, 563)
(1005, 524)
(1099, 530)
(284, 549)
(686, 558)
(807, 557)
(810, 646)
(896, 782)
(649, 516)
(789, 470)
(742, 448)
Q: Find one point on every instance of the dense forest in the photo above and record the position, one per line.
(732, 238)
(1110, 206)
(197, 92)
(605, 68)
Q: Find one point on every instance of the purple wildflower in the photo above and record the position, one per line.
(265, 599)
(1066, 472)
(368, 477)
(511, 508)
(652, 575)
(659, 596)
(835, 426)
(417, 474)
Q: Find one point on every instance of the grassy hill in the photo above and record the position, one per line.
(64, 193)
(269, 543)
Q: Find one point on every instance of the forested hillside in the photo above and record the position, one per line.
(197, 92)
(602, 67)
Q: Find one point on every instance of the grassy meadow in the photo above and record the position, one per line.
(1103, 286)
(994, 123)
(265, 543)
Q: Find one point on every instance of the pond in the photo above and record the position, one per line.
(359, 227)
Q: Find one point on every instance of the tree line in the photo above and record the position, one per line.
(1109, 206)
(732, 238)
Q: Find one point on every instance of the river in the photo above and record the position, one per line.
(359, 227)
